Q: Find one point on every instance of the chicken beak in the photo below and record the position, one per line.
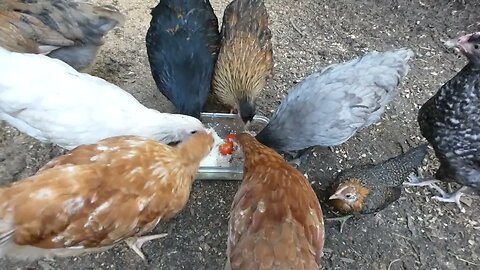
(453, 43)
(247, 110)
(334, 197)
(247, 125)
(460, 44)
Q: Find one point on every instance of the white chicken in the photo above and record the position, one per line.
(52, 102)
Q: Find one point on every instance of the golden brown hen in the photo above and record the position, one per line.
(67, 30)
(99, 195)
(245, 58)
(276, 221)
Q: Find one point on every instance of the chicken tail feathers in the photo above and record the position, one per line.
(404, 164)
(110, 17)
(247, 16)
(405, 55)
(414, 156)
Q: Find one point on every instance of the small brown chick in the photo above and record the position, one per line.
(99, 195)
(276, 221)
(67, 30)
(245, 58)
(370, 188)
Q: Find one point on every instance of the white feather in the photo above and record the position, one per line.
(52, 102)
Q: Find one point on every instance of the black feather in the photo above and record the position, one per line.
(182, 46)
(450, 121)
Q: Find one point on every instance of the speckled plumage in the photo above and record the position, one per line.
(383, 181)
(329, 106)
(98, 195)
(182, 45)
(450, 121)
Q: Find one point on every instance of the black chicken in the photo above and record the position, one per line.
(450, 121)
(182, 46)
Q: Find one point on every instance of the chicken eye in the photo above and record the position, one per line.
(193, 132)
(475, 46)
(348, 196)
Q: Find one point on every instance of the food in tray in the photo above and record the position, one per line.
(224, 152)
(227, 148)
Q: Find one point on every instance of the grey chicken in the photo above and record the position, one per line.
(370, 188)
(71, 31)
(450, 121)
(328, 107)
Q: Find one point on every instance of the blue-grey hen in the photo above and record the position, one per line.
(328, 107)
(450, 121)
(370, 188)
(182, 47)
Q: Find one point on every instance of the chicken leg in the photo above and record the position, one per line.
(453, 197)
(300, 158)
(415, 181)
(342, 220)
(135, 243)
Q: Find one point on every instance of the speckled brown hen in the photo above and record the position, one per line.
(276, 220)
(71, 31)
(99, 195)
(370, 188)
(245, 58)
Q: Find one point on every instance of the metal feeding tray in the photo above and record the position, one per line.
(223, 124)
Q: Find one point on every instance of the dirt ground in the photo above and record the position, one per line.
(414, 233)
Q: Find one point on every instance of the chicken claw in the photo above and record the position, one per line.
(342, 220)
(431, 182)
(135, 243)
(414, 181)
(453, 197)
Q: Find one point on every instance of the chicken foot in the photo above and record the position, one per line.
(342, 220)
(135, 243)
(453, 197)
(415, 181)
(300, 158)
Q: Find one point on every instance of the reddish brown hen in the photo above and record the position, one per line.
(67, 30)
(276, 220)
(99, 195)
